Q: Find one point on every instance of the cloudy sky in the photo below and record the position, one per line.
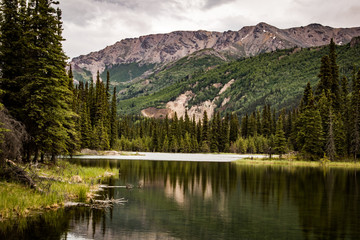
(91, 25)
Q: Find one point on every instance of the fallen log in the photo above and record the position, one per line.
(13, 171)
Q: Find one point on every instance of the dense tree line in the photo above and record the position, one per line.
(33, 77)
(42, 113)
(97, 122)
(326, 122)
(220, 134)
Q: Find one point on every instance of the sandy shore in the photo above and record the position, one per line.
(190, 157)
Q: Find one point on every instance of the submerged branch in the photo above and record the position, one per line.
(97, 204)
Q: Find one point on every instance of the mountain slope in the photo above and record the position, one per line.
(159, 49)
(172, 73)
(276, 78)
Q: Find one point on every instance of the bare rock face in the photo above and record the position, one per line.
(152, 112)
(180, 105)
(248, 41)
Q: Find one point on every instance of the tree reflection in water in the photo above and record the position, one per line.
(190, 200)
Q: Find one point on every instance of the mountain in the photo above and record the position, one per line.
(139, 57)
(241, 86)
(234, 71)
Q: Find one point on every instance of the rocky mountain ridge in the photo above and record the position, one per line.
(248, 41)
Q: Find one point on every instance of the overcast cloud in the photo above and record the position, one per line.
(91, 25)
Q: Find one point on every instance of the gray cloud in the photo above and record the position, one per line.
(214, 3)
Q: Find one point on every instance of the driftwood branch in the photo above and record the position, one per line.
(107, 186)
(97, 204)
(43, 177)
(13, 171)
(127, 186)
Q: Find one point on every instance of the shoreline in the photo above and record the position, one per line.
(297, 163)
(181, 157)
(248, 159)
(67, 182)
(76, 183)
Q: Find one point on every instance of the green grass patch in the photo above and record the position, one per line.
(75, 183)
(297, 163)
(17, 200)
(66, 171)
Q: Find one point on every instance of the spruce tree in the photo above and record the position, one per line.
(215, 133)
(324, 107)
(174, 133)
(258, 123)
(280, 139)
(199, 132)
(187, 124)
(194, 144)
(252, 126)
(205, 128)
(266, 120)
(113, 121)
(340, 135)
(325, 76)
(205, 134)
(234, 128)
(14, 54)
(50, 120)
(244, 126)
(305, 99)
(71, 79)
(165, 145)
(330, 139)
(86, 136)
(187, 147)
(355, 116)
(107, 86)
(310, 133)
(224, 144)
(335, 88)
(155, 140)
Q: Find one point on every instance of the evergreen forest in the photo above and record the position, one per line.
(44, 115)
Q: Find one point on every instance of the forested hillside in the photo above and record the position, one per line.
(276, 78)
(172, 73)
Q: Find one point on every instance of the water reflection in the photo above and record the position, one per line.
(189, 200)
(53, 224)
(327, 200)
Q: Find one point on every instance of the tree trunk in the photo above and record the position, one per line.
(36, 156)
(53, 158)
(27, 153)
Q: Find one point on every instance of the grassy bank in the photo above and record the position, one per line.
(60, 183)
(297, 163)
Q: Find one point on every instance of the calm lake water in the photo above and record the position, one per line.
(202, 200)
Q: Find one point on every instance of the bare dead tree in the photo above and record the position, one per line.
(13, 135)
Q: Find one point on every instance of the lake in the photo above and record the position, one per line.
(209, 200)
